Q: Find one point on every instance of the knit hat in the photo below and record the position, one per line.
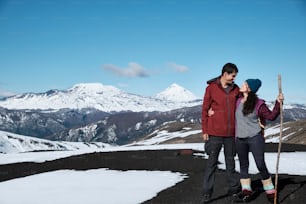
(254, 84)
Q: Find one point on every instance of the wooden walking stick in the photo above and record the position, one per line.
(280, 138)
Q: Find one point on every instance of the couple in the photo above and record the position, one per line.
(234, 118)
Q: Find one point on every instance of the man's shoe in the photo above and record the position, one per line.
(206, 198)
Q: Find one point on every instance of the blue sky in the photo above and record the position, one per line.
(143, 46)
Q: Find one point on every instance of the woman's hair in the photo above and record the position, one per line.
(250, 103)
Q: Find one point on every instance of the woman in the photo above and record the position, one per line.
(251, 113)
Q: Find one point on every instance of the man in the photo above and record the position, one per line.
(219, 128)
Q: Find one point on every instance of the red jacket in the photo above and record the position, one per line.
(222, 122)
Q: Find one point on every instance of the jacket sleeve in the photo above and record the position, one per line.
(205, 108)
(266, 113)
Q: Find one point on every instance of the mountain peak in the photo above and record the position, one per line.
(175, 85)
(176, 92)
(93, 87)
(87, 85)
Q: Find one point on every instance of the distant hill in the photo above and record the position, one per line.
(174, 132)
(294, 132)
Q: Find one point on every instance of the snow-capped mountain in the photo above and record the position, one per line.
(100, 113)
(15, 143)
(176, 93)
(101, 97)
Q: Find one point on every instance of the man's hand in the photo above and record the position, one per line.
(210, 112)
(205, 137)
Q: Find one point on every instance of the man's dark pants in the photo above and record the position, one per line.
(214, 146)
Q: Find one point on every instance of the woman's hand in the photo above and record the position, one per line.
(280, 98)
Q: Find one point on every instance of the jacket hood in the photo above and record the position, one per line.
(214, 80)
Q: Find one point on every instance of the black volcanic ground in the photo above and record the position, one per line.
(292, 189)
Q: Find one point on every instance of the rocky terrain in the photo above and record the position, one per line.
(90, 125)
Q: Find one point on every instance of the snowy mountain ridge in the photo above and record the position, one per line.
(102, 97)
(15, 143)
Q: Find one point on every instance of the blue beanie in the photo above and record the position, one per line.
(254, 84)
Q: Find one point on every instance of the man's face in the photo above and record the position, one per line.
(230, 77)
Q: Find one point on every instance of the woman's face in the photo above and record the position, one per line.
(245, 88)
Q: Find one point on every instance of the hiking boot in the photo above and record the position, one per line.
(206, 198)
(243, 196)
(270, 196)
(269, 188)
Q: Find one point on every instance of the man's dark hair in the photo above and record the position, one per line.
(229, 68)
